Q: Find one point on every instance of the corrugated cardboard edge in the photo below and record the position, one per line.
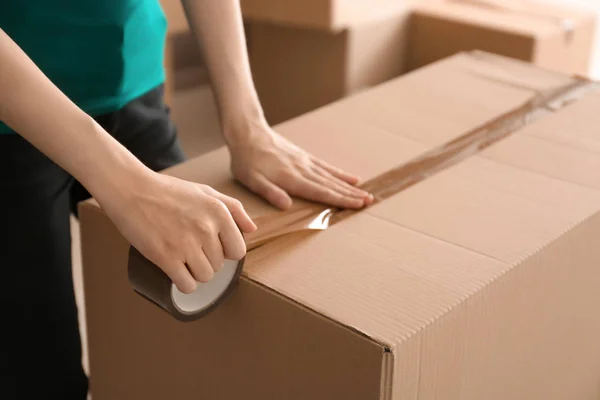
(387, 353)
(386, 393)
(385, 348)
(387, 375)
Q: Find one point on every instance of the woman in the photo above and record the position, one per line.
(106, 57)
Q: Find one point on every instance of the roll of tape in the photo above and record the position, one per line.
(152, 283)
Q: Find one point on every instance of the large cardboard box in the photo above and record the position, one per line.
(479, 281)
(558, 38)
(297, 69)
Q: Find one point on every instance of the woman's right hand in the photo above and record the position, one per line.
(186, 229)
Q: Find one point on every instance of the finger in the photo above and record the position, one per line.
(337, 184)
(338, 173)
(236, 208)
(311, 190)
(214, 253)
(339, 187)
(198, 264)
(180, 276)
(260, 185)
(232, 241)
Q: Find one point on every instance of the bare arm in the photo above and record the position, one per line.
(172, 222)
(36, 109)
(264, 161)
(218, 27)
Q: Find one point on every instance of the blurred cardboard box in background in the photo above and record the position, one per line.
(298, 69)
(188, 92)
(554, 37)
(301, 62)
(177, 26)
(329, 15)
(305, 54)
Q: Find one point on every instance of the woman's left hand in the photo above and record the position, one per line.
(276, 169)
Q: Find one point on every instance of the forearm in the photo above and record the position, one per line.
(37, 110)
(218, 27)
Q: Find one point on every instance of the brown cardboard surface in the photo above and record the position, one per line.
(562, 130)
(141, 352)
(478, 282)
(572, 147)
(568, 164)
(321, 14)
(454, 206)
(194, 112)
(526, 30)
(489, 86)
(177, 26)
(531, 334)
(297, 70)
(298, 66)
(175, 15)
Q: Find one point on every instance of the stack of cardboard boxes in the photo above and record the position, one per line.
(303, 60)
(307, 54)
(556, 38)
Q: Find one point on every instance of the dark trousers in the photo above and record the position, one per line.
(40, 354)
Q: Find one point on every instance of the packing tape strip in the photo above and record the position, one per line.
(150, 282)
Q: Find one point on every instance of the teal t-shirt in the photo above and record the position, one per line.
(100, 53)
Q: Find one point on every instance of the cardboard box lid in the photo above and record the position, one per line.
(322, 14)
(440, 102)
(526, 18)
(570, 139)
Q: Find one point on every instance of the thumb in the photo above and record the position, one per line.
(236, 208)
